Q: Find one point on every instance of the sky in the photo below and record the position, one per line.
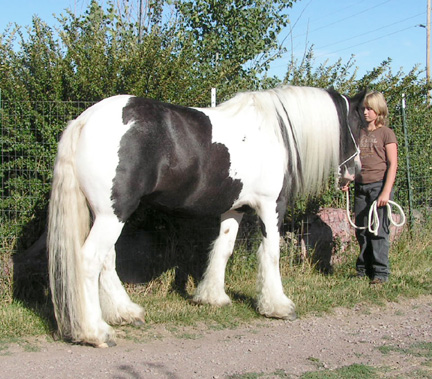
(371, 30)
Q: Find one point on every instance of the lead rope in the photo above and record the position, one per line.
(373, 220)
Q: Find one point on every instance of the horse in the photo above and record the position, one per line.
(255, 151)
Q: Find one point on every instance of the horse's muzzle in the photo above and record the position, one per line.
(349, 171)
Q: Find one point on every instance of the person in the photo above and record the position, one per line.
(378, 156)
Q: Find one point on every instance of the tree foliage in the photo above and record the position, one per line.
(176, 54)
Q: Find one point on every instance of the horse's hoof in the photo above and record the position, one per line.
(56, 336)
(138, 322)
(219, 301)
(104, 345)
(290, 317)
(284, 309)
(111, 343)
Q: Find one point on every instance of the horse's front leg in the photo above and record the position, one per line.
(272, 302)
(211, 290)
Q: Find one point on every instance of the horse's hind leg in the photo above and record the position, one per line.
(272, 301)
(103, 235)
(117, 308)
(211, 290)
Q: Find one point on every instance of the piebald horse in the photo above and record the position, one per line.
(257, 151)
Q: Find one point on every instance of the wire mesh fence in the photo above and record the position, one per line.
(29, 133)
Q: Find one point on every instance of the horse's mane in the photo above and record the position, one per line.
(306, 121)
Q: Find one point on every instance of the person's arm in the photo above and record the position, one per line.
(392, 162)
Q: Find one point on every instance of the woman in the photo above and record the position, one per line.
(378, 155)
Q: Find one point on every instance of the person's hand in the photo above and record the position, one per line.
(383, 199)
(345, 188)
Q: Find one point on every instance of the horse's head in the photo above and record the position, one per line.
(349, 159)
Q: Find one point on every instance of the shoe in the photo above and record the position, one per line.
(377, 281)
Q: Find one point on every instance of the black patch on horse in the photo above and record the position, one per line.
(342, 111)
(167, 160)
(350, 121)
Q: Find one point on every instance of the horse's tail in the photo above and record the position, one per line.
(68, 227)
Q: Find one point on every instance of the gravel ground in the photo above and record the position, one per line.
(270, 348)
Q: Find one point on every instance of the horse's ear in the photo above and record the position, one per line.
(331, 90)
(356, 104)
(358, 98)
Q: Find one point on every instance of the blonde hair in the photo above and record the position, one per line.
(375, 100)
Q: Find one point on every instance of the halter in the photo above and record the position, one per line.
(352, 136)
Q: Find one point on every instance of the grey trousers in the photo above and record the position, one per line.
(373, 260)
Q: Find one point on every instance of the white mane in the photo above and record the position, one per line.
(312, 130)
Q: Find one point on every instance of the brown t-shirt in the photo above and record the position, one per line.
(373, 155)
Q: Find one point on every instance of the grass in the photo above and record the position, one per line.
(17, 320)
(313, 292)
(354, 371)
(421, 349)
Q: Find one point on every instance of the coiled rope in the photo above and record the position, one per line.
(373, 219)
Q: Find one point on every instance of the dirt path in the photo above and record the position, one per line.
(272, 348)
